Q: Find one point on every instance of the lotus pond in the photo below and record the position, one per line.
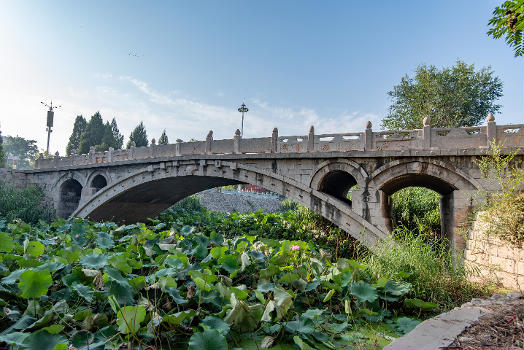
(169, 285)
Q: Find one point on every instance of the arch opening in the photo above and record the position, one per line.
(70, 194)
(149, 199)
(338, 184)
(419, 202)
(98, 182)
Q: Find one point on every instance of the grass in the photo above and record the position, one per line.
(427, 264)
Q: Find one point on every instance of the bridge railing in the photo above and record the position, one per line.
(427, 138)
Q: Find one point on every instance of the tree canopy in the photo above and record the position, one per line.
(451, 97)
(93, 134)
(74, 140)
(508, 21)
(138, 136)
(118, 138)
(96, 133)
(163, 140)
(25, 150)
(2, 153)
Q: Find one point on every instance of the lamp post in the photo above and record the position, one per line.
(50, 117)
(242, 109)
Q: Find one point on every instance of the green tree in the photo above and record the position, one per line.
(138, 136)
(450, 97)
(74, 140)
(93, 133)
(163, 140)
(25, 150)
(508, 21)
(2, 153)
(107, 140)
(117, 136)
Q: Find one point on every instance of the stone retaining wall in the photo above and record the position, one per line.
(493, 259)
(13, 177)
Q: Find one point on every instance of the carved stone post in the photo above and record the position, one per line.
(131, 151)
(38, 161)
(91, 154)
(177, 147)
(152, 149)
(209, 142)
(311, 139)
(110, 154)
(491, 128)
(368, 137)
(426, 133)
(236, 142)
(274, 141)
(57, 159)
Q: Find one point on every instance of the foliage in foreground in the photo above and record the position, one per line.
(428, 264)
(508, 21)
(99, 286)
(296, 222)
(417, 209)
(26, 204)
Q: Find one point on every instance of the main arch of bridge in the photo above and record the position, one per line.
(149, 189)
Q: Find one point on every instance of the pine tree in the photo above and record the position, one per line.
(163, 140)
(2, 153)
(74, 139)
(138, 136)
(107, 140)
(93, 134)
(117, 136)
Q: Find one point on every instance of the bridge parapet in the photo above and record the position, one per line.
(427, 138)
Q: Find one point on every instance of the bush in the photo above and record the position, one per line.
(425, 262)
(26, 204)
(189, 204)
(418, 209)
(505, 209)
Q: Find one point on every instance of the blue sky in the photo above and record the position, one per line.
(295, 63)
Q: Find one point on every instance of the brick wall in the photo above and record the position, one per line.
(493, 259)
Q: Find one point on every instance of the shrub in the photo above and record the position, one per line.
(189, 204)
(418, 209)
(505, 209)
(425, 262)
(26, 204)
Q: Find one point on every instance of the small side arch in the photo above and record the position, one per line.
(69, 197)
(337, 177)
(455, 188)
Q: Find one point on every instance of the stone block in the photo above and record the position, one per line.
(506, 265)
(520, 267)
(520, 283)
(508, 252)
(508, 280)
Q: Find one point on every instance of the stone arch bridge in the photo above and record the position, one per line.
(315, 170)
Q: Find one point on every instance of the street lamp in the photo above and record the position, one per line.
(50, 117)
(242, 109)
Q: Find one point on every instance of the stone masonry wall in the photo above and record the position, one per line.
(493, 259)
(13, 178)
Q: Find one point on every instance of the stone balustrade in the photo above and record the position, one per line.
(427, 138)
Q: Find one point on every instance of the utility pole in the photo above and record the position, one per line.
(50, 117)
(243, 109)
